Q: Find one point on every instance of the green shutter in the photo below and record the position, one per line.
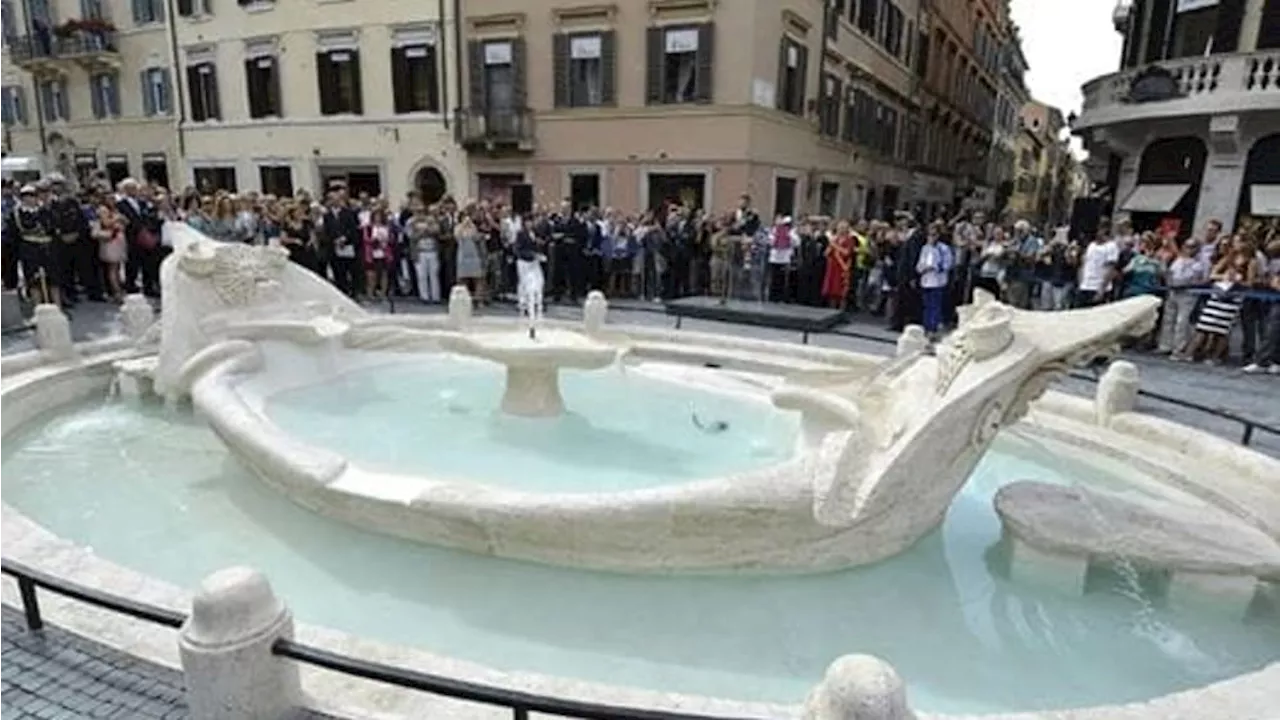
(609, 68)
(655, 55)
(704, 88)
(560, 45)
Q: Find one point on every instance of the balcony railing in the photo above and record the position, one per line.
(1203, 84)
(495, 129)
(30, 51)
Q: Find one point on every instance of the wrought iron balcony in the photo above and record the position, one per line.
(52, 52)
(495, 129)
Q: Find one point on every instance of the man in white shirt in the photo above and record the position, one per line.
(1097, 270)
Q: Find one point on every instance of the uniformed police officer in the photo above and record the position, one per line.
(75, 251)
(31, 226)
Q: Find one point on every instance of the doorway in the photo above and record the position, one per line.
(117, 168)
(359, 179)
(784, 196)
(677, 189)
(430, 184)
(496, 187)
(155, 170)
(584, 190)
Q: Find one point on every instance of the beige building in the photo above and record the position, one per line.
(87, 86)
(633, 102)
(269, 96)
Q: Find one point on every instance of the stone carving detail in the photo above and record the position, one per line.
(137, 316)
(1117, 392)
(985, 331)
(241, 274)
(912, 341)
(53, 333)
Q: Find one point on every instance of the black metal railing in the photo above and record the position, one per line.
(50, 45)
(494, 127)
(30, 580)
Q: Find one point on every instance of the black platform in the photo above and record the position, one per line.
(748, 312)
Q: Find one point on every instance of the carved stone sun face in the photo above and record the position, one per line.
(240, 274)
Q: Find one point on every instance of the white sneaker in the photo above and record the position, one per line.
(1252, 368)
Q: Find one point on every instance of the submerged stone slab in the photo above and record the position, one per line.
(1062, 520)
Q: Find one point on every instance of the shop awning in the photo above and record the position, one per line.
(12, 163)
(1264, 200)
(1154, 198)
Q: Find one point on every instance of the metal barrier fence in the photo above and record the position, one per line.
(30, 580)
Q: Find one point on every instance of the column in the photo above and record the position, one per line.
(1223, 173)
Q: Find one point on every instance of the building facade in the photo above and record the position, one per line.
(805, 106)
(1188, 128)
(1006, 141)
(87, 85)
(269, 96)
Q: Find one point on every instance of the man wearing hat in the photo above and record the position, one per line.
(74, 250)
(30, 227)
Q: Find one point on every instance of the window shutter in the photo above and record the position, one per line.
(705, 88)
(64, 102)
(357, 91)
(276, 87)
(157, 10)
(475, 75)
(802, 79)
(148, 101)
(782, 91)
(324, 83)
(1269, 28)
(519, 90)
(251, 88)
(114, 95)
(45, 104)
(609, 68)
(166, 100)
(833, 108)
(7, 110)
(20, 104)
(186, 8)
(95, 96)
(400, 89)
(1226, 36)
(139, 11)
(1156, 39)
(214, 110)
(193, 94)
(1133, 37)
(560, 43)
(655, 55)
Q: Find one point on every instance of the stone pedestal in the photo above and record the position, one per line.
(53, 333)
(859, 687)
(532, 392)
(226, 650)
(912, 340)
(1033, 566)
(1117, 391)
(1229, 594)
(460, 307)
(594, 312)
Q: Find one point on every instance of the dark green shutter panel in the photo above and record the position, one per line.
(1226, 36)
(250, 84)
(519, 90)
(560, 43)
(148, 100)
(705, 86)
(475, 75)
(357, 99)
(400, 90)
(1159, 29)
(609, 68)
(1269, 28)
(833, 109)
(324, 71)
(781, 100)
(277, 98)
(802, 78)
(214, 109)
(96, 86)
(655, 54)
(1133, 38)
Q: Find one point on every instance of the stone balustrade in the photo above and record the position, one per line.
(1213, 84)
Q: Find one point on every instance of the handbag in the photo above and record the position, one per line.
(146, 239)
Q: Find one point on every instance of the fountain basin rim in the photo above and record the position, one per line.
(1242, 696)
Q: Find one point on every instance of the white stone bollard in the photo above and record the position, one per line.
(859, 687)
(225, 646)
(912, 340)
(53, 333)
(460, 307)
(137, 316)
(1117, 392)
(594, 312)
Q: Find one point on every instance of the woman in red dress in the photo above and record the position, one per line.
(835, 283)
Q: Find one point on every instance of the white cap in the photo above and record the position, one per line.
(27, 189)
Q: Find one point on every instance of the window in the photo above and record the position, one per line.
(202, 86)
(53, 100)
(148, 11)
(10, 21)
(829, 199)
(415, 79)
(104, 89)
(784, 195)
(793, 64)
(40, 13)
(209, 179)
(680, 65)
(155, 169)
(14, 105)
(338, 73)
(913, 154)
(829, 111)
(117, 167)
(262, 80)
(584, 69)
(867, 16)
(195, 8)
(86, 164)
(157, 93)
(850, 116)
(584, 190)
(891, 26)
(94, 9)
(889, 144)
(276, 180)
(1193, 32)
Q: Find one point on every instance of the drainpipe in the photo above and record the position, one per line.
(444, 64)
(457, 49)
(179, 107)
(39, 98)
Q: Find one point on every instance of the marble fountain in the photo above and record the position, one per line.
(785, 505)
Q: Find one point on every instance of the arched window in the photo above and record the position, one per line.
(1260, 188)
(431, 184)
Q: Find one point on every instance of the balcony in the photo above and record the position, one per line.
(1212, 85)
(495, 130)
(54, 53)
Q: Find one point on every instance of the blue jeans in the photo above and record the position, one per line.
(934, 301)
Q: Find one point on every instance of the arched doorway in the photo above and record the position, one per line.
(1260, 187)
(1169, 176)
(431, 184)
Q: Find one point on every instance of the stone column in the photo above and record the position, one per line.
(226, 650)
(1223, 173)
(1117, 392)
(859, 687)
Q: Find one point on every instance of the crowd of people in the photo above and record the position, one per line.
(99, 244)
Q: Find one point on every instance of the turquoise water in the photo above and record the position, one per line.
(622, 430)
(159, 494)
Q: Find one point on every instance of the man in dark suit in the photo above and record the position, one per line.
(142, 235)
(340, 241)
(909, 307)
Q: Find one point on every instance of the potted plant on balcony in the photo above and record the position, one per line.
(68, 28)
(97, 25)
